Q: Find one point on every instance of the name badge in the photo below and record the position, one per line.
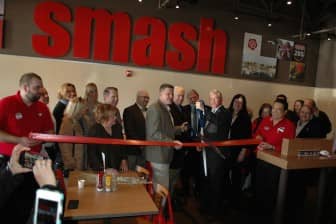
(281, 129)
(18, 116)
(267, 128)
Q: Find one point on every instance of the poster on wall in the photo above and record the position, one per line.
(284, 49)
(259, 66)
(296, 71)
(252, 44)
(299, 52)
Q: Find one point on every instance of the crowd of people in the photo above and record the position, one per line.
(218, 182)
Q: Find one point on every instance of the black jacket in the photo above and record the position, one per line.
(312, 130)
(325, 123)
(58, 113)
(179, 118)
(113, 153)
(135, 127)
(241, 128)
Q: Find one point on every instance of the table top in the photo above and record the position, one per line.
(128, 200)
(294, 162)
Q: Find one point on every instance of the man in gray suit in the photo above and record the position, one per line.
(160, 127)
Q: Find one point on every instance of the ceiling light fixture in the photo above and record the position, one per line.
(269, 24)
(289, 2)
(177, 6)
(139, 0)
(236, 18)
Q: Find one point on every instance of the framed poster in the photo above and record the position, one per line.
(252, 44)
(299, 52)
(284, 49)
(296, 71)
(259, 67)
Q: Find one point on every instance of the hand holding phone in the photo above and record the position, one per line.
(48, 207)
(14, 163)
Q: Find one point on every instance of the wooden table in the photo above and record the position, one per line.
(128, 200)
(287, 160)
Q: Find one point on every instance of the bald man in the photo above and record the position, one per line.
(320, 116)
(135, 127)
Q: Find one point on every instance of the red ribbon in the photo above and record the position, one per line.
(112, 141)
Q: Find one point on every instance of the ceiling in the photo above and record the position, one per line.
(315, 16)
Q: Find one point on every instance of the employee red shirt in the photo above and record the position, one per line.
(16, 118)
(274, 134)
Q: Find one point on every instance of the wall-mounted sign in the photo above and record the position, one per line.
(147, 41)
(299, 52)
(284, 49)
(252, 44)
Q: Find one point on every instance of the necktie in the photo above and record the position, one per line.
(193, 120)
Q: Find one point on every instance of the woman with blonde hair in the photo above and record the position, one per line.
(73, 124)
(115, 156)
(66, 92)
(91, 99)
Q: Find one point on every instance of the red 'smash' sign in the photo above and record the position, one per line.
(104, 36)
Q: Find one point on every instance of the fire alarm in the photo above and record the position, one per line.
(128, 73)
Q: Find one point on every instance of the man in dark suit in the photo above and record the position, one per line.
(160, 127)
(217, 126)
(134, 118)
(179, 119)
(320, 116)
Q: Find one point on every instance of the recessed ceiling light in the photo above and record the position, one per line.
(329, 38)
(289, 2)
(308, 34)
(236, 17)
(177, 6)
(269, 24)
(139, 0)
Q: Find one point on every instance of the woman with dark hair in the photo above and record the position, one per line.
(264, 111)
(240, 129)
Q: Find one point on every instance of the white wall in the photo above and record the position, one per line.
(55, 72)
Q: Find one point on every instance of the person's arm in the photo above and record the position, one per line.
(24, 141)
(43, 173)
(9, 177)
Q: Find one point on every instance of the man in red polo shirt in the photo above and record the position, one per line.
(21, 114)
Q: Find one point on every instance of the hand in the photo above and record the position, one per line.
(199, 149)
(44, 175)
(241, 155)
(124, 165)
(184, 126)
(199, 105)
(13, 164)
(178, 145)
(265, 146)
(28, 142)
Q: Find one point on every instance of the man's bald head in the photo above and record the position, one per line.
(178, 95)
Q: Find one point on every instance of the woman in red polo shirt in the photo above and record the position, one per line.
(271, 131)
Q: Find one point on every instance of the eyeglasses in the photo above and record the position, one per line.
(145, 97)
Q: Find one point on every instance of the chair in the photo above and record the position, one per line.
(162, 200)
(143, 172)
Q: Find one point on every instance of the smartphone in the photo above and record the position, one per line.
(48, 207)
(27, 159)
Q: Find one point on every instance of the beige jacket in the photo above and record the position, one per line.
(72, 154)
